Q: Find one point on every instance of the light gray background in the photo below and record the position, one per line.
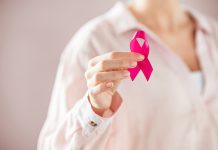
(33, 34)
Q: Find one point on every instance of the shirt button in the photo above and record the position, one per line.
(92, 123)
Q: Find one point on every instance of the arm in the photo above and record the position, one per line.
(71, 122)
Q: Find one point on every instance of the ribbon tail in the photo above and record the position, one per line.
(146, 68)
(134, 72)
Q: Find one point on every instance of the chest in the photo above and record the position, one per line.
(183, 44)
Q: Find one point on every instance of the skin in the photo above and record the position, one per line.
(172, 25)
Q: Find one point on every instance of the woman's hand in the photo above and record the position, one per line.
(104, 74)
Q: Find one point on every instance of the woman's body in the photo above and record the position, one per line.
(168, 112)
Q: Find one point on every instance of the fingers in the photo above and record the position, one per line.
(102, 87)
(101, 102)
(116, 55)
(104, 74)
(110, 65)
(107, 77)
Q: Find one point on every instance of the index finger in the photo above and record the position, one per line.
(117, 55)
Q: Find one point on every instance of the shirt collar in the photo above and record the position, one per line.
(201, 20)
(123, 20)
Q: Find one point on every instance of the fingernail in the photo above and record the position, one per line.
(141, 57)
(126, 74)
(133, 64)
(109, 84)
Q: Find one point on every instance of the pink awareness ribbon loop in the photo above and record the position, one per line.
(144, 65)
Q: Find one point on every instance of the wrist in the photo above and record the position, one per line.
(99, 111)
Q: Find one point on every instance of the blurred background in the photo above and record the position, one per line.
(33, 33)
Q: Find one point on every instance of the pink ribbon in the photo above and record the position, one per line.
(144, 65)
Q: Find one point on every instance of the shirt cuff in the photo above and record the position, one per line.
(91, 122)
